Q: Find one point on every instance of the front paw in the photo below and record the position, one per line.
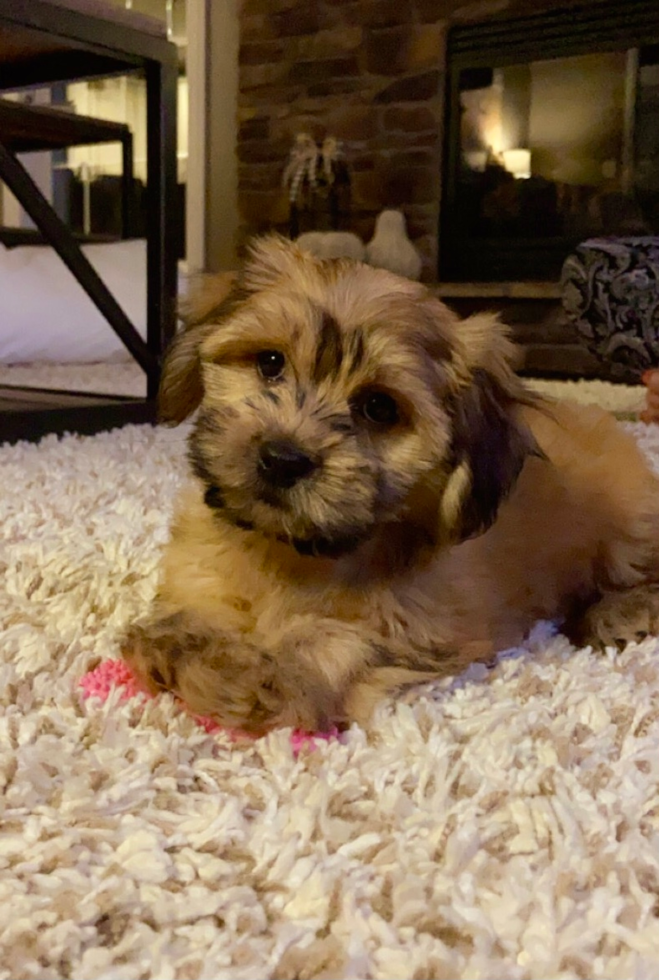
(154, 651)
(220, 675)
(619, 618)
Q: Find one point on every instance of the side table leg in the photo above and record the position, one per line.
(127, 187)
(56, 233)
(161, 79)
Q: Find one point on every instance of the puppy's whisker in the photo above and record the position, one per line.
(338, 422)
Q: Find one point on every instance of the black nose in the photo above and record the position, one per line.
(282, 464)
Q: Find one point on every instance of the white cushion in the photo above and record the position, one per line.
(45, 315)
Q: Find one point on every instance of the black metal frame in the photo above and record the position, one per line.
(54, 230)
(605, 26)
(90, 46)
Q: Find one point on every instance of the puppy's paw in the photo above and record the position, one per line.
(221, 675)
(619, 618)
(154, 651)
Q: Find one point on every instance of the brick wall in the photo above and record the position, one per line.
(369, 72)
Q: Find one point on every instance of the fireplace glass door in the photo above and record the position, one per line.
(544, 152)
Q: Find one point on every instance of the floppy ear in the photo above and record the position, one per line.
(212, 298)
(489, 441)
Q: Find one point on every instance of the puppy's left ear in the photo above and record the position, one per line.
(490, 440)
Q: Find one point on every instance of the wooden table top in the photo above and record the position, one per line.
(45, 41)
(25, 128)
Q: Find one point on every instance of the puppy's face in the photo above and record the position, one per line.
(334, 401)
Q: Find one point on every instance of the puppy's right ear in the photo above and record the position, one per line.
(181, 388)
(212, 299)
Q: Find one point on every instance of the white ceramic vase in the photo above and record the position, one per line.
(390, 248)
(332, 244)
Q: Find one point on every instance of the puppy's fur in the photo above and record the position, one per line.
(418, 538)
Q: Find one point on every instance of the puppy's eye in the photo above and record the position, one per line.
(379, 408)
(270, 364)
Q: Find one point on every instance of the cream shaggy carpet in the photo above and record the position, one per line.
(504, 823)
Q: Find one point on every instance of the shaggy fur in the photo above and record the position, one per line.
(378, 499)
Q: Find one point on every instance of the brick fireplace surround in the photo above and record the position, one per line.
(369, 72)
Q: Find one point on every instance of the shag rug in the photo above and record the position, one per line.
(503, 823)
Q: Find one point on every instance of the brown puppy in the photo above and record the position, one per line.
(378, 499)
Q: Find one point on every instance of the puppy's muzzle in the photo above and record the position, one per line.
(282, 464)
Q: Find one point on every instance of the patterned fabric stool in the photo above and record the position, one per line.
(610, 292)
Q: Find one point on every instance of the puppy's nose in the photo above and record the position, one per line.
(282, 463)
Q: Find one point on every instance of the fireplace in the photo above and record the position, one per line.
(552, 136)
(504, 137)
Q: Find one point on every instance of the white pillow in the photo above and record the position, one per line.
(45, 315)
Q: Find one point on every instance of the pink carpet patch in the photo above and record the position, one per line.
(110, 674)
(100, 682)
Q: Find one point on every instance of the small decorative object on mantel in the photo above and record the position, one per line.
(390, 248)
(332, 245)
(318, 183)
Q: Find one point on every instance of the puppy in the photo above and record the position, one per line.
(377, 499)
